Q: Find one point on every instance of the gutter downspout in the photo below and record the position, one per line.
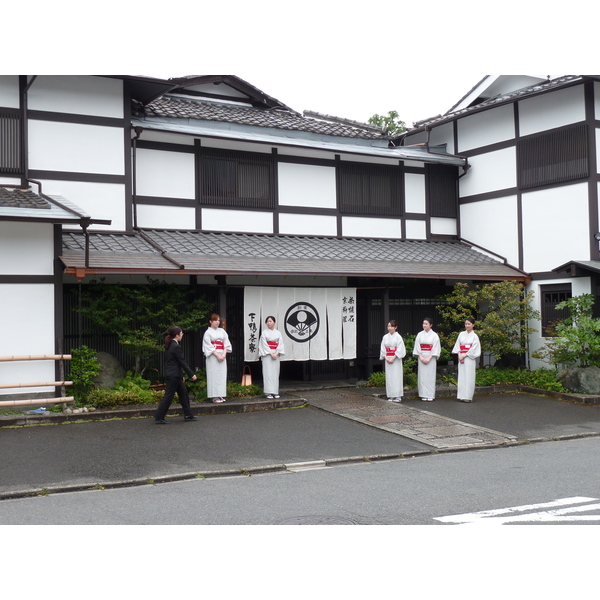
(24, 131)
(138, 132)
(466, 167)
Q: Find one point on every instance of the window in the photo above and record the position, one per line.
(551, 295)
(553, 157)
(238, 179)
(10, 141)
(441, 190)
(369, 189)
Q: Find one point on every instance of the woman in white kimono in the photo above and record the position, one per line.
(393, 351)
(468, 349)
(215, 346)
(270, 348)
(427, 348)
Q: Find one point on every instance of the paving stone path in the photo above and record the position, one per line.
(420, 425)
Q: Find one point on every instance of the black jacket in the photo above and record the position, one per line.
(175, 362)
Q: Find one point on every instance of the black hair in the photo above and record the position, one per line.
(170, 335)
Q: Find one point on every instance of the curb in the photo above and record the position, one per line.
(277, 468)
(147, 411)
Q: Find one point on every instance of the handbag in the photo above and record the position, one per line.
(247, 376)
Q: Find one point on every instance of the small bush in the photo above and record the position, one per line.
(83, 368)
(376, 379)
(544, 379)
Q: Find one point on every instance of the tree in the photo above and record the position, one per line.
(139, 314)
(502, 311)
(391, 124)
(577, 338)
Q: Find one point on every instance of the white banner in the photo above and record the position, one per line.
(316, 323)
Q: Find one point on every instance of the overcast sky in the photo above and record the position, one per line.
(344, 59)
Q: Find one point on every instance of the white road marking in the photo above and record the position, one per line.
(507, 515)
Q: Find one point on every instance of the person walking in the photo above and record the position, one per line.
(428, 349)
(270, 349)
(393, 351)
(468, 349)
(215, 346)
(175, 363)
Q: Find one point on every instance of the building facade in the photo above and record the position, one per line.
(209, 182)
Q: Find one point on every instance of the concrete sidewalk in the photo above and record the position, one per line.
(313, 424)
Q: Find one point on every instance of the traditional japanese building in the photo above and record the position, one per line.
(207, 181)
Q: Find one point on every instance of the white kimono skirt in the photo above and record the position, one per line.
(270, 341)
(393, 344)
(427, 343)
(216, 372)
(469, 343)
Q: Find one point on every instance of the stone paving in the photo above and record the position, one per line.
(420, 425)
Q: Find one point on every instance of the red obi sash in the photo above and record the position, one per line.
(464, 348)
(426, 347)
(273, 345)
(218, 344)
(390, 350)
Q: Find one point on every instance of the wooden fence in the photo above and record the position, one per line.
(55, 384)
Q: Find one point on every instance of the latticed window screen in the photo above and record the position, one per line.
(442, 190)
(551, 295)
(370, 189)
(237, 179)
(553, 157)
(10, 141)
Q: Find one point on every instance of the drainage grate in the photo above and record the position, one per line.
(316, 520)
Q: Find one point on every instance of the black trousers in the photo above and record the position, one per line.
(174, 385)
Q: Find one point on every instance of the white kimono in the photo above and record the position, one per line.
(469, 343)
(427, 343)
(216, 372)
(270, 341)
(393, 344)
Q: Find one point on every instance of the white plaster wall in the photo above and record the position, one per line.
(166, 217)
(443, 226)
(9, 91)
(77, 148)
(579, 285)
(551, 110)
(293, 224)
(99, 200)
(493, 225)
(489, 172)
(485, 128)
(555, 227)
(26, 248)
(416, 230)
(414, 193)
(443, 134)
(306, 185)
(236, 145)
(149, 135)
(165, 174)
(77, 94)
(368, 227)
(214, 219)
(27, 323)
(416, 138)
(597, 132)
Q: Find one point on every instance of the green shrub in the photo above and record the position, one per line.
(540, 378)
(376, 379)
(83, 368)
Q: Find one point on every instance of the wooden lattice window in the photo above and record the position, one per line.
(370, 189)
(553, 156)
(10, 141)
(240, 179)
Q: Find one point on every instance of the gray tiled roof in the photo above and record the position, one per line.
(247, 254)
(26, 205)
(18, 198)
(275, 118)
(501, 98)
